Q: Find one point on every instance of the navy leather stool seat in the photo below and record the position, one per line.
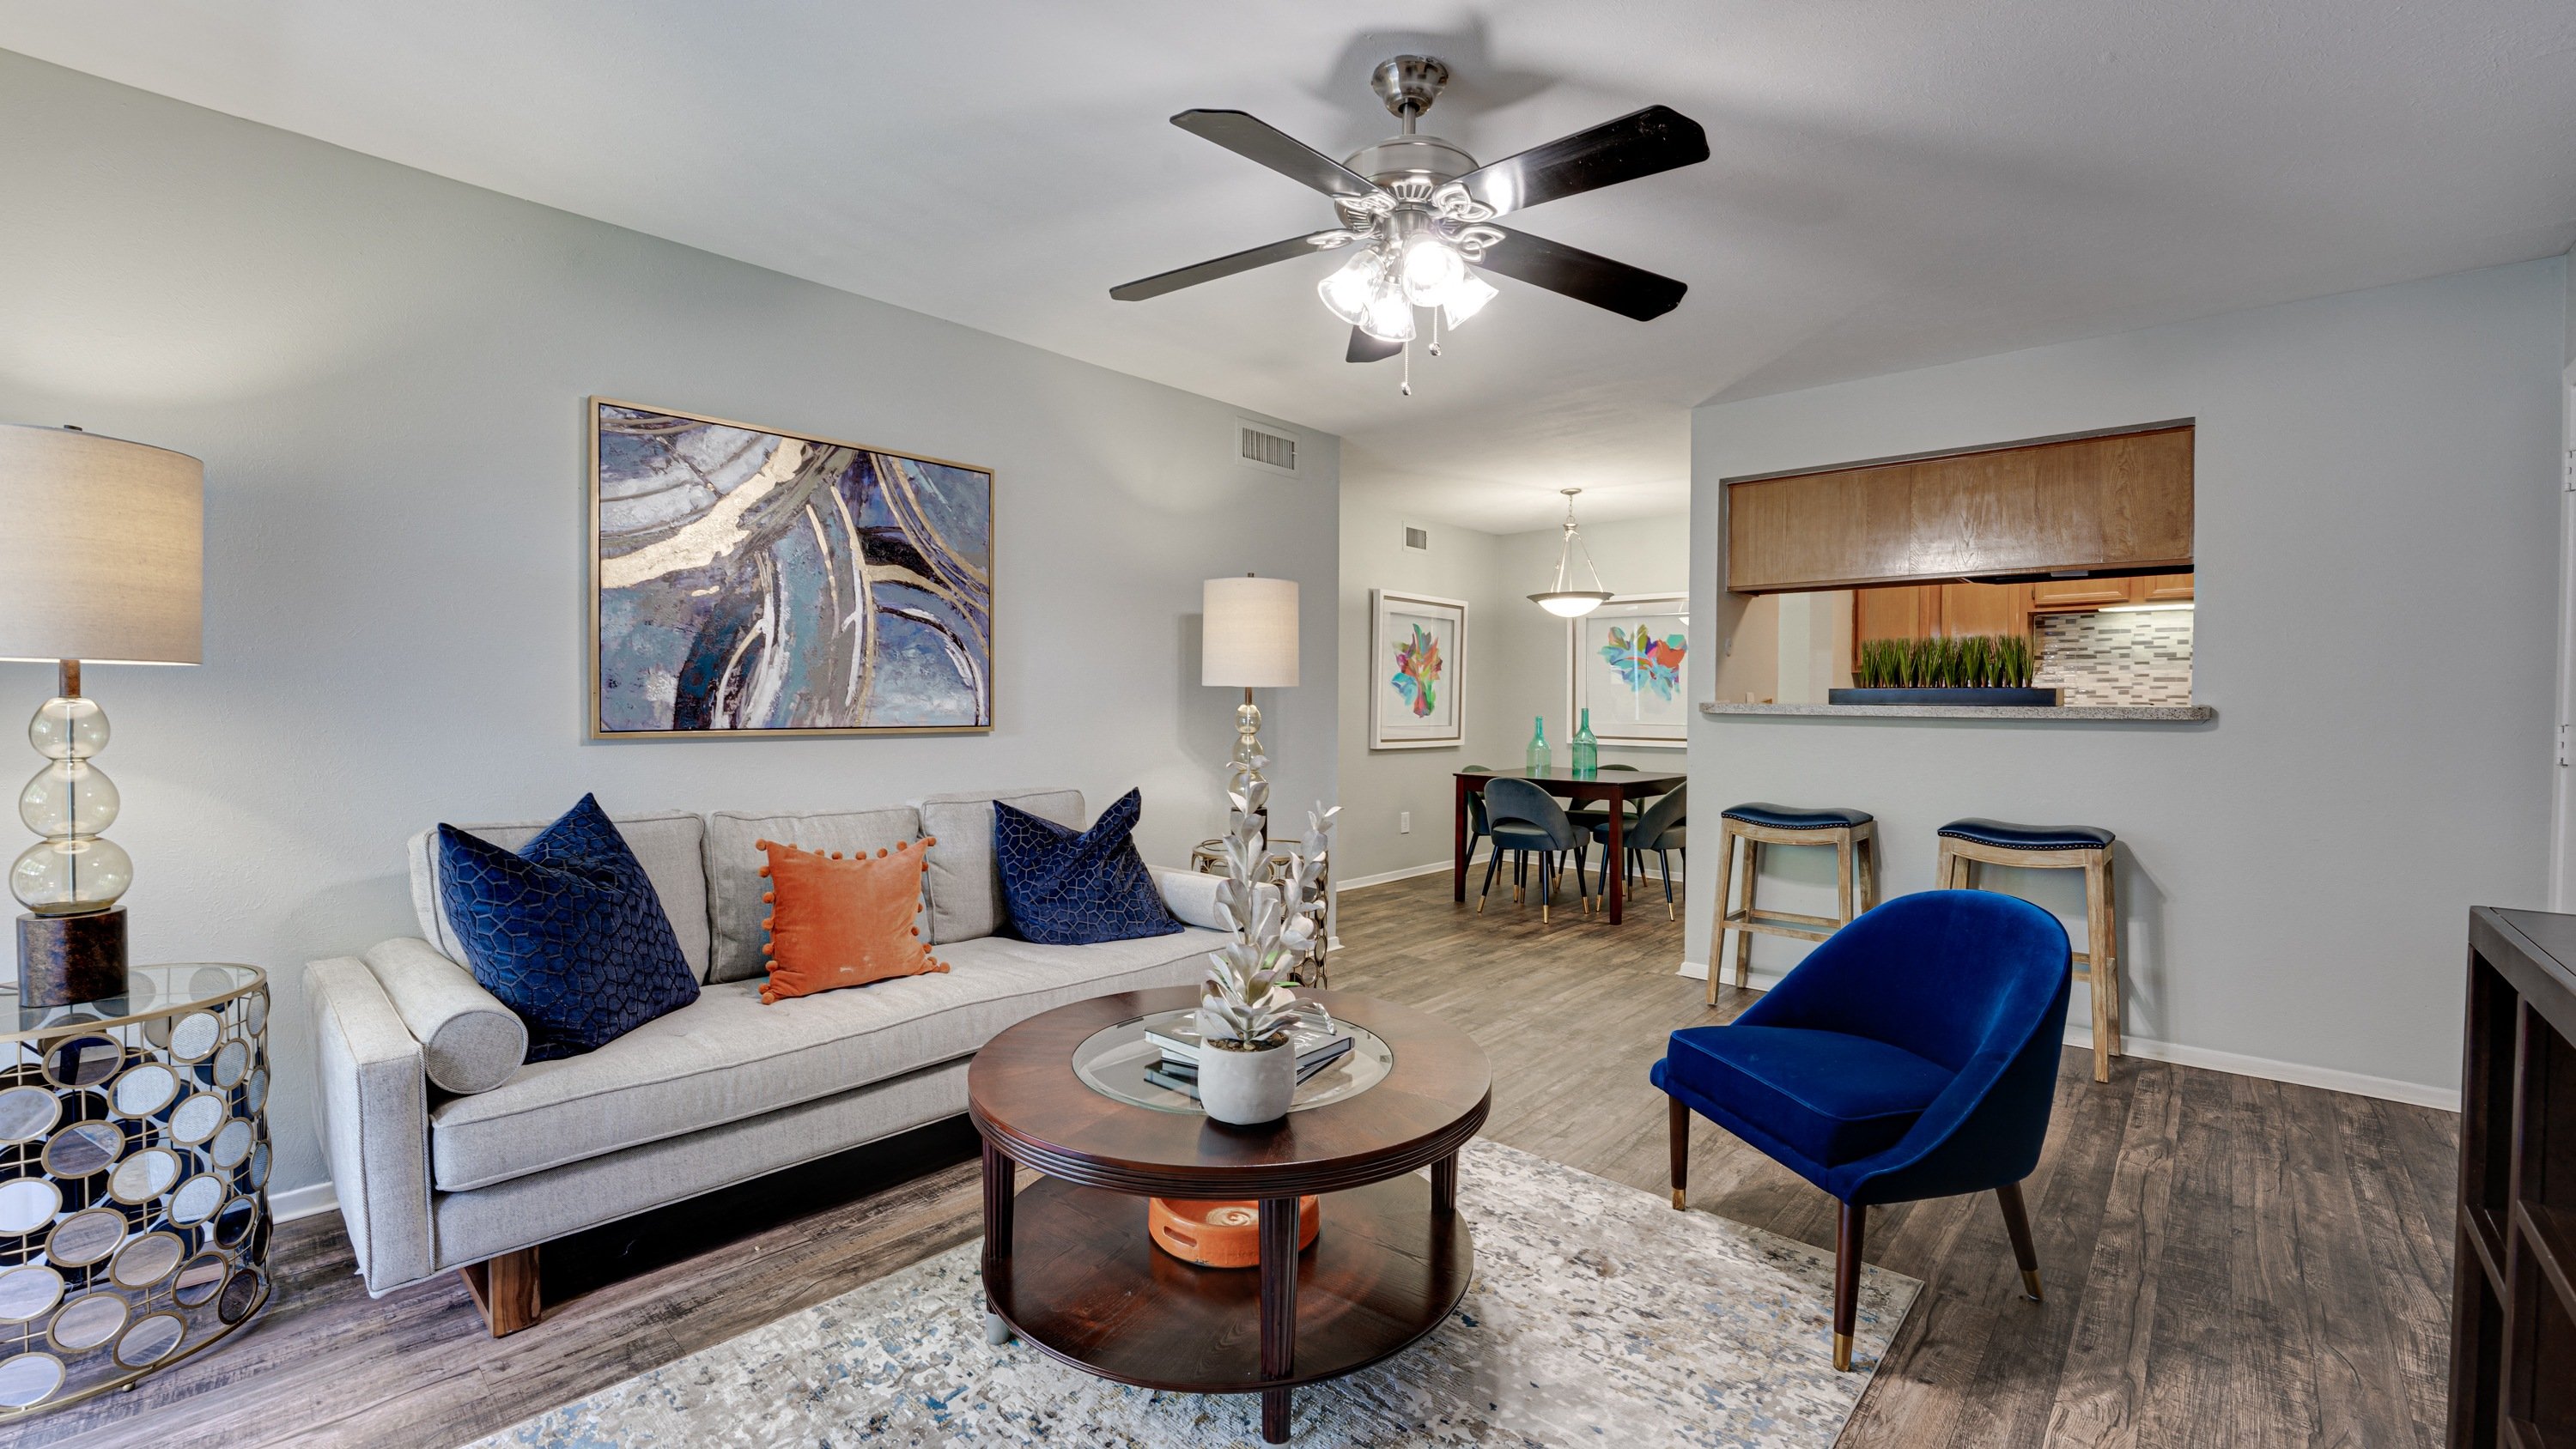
(1852, 835)
(2004, 835)
(1789, 817)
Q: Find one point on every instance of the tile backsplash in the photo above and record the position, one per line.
(2120, 658)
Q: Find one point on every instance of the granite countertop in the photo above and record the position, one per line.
(2050, 714)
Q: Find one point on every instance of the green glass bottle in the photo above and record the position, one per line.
(1538, 748)
(1587, 750)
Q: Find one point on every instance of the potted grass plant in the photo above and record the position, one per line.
(1951, 669)
(1248, 1016)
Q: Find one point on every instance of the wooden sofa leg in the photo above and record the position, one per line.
(505, 1290)
(2017, 1227)
(1848, 1229)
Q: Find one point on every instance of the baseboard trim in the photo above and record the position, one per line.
(302, 1202)
(2359, 1084)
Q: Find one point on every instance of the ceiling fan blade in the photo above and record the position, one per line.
(1258, 140)
(1365, 348)
(1226, 266)
(1626, 290)
(1640, 143)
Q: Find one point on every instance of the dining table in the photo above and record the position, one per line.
(1619, 788)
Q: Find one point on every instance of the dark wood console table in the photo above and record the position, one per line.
(2513, 1278)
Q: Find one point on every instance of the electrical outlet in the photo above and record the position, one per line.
(1404, 822)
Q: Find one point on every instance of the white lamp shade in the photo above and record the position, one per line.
(101, 549)
(1250, 639)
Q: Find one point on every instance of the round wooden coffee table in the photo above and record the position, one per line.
(1069, 1265)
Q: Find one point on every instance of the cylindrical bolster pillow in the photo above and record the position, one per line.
(1192, 897)
(469, 1041)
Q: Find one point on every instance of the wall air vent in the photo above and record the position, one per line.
(1417, 539)
(1261, 445)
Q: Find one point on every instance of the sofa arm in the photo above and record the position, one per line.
(372, 1101)
(469, 1041)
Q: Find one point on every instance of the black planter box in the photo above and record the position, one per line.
(2041, 697)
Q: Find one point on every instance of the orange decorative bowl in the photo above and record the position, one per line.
(1224, 1234)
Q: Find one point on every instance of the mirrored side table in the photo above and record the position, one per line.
(134, 1161)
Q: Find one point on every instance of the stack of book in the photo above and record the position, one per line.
(1178, 1069)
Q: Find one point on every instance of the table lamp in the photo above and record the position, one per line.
(1249, 641)
(101, 560)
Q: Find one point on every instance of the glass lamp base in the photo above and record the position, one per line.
(65, 960)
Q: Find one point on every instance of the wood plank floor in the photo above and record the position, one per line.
(2229, 1261)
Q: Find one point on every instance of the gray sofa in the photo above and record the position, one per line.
(448, 1151)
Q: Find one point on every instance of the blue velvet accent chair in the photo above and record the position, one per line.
(1525, 821)
(1663, 828)
(1912, 1055)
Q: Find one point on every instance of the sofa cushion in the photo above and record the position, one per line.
(965, 881)
(1827, 1095)
(734, 859)
(1071, 887)
(670, 845)
(567, 932)
(727, 1057)
(837, 924)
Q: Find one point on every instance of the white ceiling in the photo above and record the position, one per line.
(1894, 182)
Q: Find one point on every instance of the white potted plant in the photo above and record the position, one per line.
(1248, 1016)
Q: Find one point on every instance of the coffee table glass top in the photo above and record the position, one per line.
(1113, 1060)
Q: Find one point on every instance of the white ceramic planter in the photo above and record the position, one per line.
(1247, 1088)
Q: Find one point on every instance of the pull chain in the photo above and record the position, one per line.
(1435, 332)
(1408, 369)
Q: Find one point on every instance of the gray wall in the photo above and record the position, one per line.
(1379, 786)
(2377, 552)
(384, 372)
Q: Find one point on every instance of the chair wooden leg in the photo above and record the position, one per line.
(2118, 969)
(2017, 1227)
(505, 1291)
(2097, 950)
(1744, 938)
(1681, 1149)
(1717, 933)
(1869, 872)
(1849, 1227)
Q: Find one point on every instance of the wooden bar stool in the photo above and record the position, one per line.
(1965, 844)
(1854, 838)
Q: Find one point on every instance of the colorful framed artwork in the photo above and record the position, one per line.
(751, 582)
(1629, 663)
(1418, 671)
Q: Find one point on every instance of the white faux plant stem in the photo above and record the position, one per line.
(1244, 999)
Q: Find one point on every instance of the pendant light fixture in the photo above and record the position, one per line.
(1561, 601)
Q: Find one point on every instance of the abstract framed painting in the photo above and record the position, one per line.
(752, 582)
(1629, 663)
(1418, 669)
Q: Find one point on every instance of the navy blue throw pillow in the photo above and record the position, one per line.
(1068, 887)
(567, 931)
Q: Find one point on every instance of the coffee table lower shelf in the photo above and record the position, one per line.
(1086, 1284)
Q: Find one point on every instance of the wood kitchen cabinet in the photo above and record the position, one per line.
(2062, 596)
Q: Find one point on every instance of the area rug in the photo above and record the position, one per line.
(1597, 1315)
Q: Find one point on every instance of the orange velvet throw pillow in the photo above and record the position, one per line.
(835, 922)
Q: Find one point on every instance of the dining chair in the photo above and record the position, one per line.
(1586, 812)
(1664, 827)
(1477, 826)
(1524, 820)
(1912, 1055)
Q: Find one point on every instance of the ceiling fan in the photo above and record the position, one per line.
(1424, 210)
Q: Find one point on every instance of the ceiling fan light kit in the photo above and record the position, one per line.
(1421, 210)
(1561, 601)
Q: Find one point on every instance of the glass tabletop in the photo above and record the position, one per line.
(1115, 1062)
(149, 991)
